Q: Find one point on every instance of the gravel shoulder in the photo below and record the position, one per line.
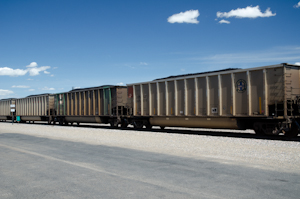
(274, 155)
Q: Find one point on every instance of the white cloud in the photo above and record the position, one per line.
(31, 68)
(12, 72)
(144, 63)
(48, 89)
(120, 84)
(5, 92)
(297, 63)
(36, 71)
(31, 89)
(32, 64)
(248, 12)
(297, 5)
(189, 16)
(29, 79)
(20, 86)
(224, 21)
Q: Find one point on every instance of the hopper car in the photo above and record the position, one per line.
(104, 104)
(34, 108)
(265, 99)
(6, 107)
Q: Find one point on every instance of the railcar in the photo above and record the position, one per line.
(265, 99)
(103, 104)
(34, 108)
(6, 107)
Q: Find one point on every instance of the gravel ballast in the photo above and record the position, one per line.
(259, 153)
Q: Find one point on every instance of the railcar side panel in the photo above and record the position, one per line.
(153, 99)
(170, 90)
(226, 88)
(190, 95)
(145, 100)
(257, 97)
(161, 98)
(201, 101)
(214, 107)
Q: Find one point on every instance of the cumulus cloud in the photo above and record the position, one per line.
(189, 16)
(5, 92)
(31, 89)
(120, 84)
(48, 89)
(32, 64)
(224, 21)
(36, 71)
(297, 5)
(32, 69)
(20, 86)
(46, 72)
(248, 12)
(12, 72)
(297, 63)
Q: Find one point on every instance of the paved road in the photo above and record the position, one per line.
(36, 167)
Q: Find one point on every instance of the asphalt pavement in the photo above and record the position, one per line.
(37, 167)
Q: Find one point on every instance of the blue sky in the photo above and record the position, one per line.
(50, 46)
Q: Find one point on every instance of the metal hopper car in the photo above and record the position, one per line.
(34, 108)
(266, 99)
(104, 104)
(6, 109)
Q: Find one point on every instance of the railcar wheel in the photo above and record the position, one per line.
(293, 132)
(259, 132)
(138, 124)
(257, 127)
(124, 124)
(149, 126)
(162, 127)
(113, 124)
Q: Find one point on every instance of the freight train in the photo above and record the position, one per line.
(265, 99)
